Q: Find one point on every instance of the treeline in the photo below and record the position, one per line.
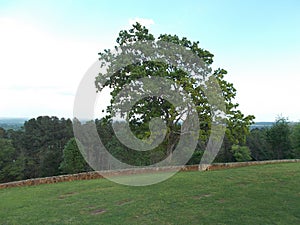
(36, 150)
(280, 141)
(45, 146)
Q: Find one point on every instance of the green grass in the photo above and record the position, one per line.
(265, 194)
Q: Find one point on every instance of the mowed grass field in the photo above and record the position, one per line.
(264, 194)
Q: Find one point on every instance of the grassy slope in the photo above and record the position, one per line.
(266, 194)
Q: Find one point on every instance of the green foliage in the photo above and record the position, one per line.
(2, 132)
(123, 153)
(38, 148)
(241, 153)
(278, 136)
(154, 106)
(10, 165)
(258, 143)
(43, 141)
(196, 157)
(279, 141)
(295, 140)
(73, 161)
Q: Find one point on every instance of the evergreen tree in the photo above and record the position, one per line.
(73, 161)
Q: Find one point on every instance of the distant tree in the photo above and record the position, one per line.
(38, 147)
(73, 161)
(42, 142)
(120, 151)
(259, 145)
(2, 133)
(11, 166)
(278, 136)
(295, 140)
(241, 153)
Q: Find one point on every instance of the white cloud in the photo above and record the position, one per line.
(145, 22)
(39, 68)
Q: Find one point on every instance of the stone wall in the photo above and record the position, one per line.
(217, 166)
(96, 175)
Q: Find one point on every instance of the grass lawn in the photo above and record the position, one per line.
(264, 194)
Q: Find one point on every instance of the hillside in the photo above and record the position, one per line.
(265, 194)
(261, 125)
(12, 123)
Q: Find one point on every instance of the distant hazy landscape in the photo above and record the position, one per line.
(12, 123)
(16, 123)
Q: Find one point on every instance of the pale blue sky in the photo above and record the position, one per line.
(46, 46)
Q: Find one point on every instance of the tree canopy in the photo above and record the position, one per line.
(23, 155)
(152, 106)
(73, 161)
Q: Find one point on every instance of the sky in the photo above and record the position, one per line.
(47, 46)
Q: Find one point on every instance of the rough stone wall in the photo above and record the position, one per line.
(97, 175)
(217, 166)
